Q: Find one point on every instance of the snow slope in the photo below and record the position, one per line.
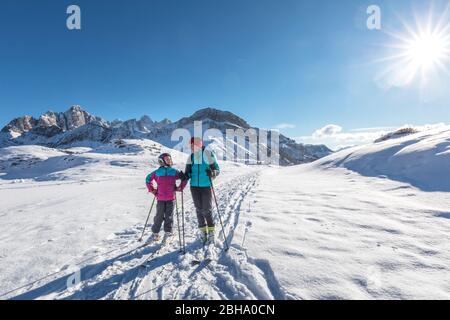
(338, 235)
(367, 222)
(421, 159)
(317, 231)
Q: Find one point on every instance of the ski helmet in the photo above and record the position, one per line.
(165, 160)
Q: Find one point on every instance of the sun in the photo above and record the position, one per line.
(427, 51)
(419, 52)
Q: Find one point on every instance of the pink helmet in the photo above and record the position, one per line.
(196, 141)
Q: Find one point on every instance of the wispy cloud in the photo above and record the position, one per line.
(285, 126)
(373, 129)
(327, 131)
(336, 138)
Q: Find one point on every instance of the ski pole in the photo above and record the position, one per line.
(178, 222)
(146, 221)
(182, 218)
(227, 247)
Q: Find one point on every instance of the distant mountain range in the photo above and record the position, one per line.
(77, 127)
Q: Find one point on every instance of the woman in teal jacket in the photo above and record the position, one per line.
(201, 168)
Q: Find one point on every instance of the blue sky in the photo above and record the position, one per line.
(304, 64)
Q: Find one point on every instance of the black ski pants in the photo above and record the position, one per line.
(164, 213)
(202, 197)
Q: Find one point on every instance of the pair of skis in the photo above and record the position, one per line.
(209, 254)
(154, 255)
(142, 246)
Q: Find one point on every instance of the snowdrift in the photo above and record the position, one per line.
(421, 159)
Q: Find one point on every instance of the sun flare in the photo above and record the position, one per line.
(427, 51)
(419, 53)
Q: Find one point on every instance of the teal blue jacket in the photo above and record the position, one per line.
(197, 165)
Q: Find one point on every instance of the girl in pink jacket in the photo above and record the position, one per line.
(165, 178)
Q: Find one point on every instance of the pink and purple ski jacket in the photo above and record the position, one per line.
(165, 178)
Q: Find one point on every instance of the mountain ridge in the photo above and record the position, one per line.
(76, 126)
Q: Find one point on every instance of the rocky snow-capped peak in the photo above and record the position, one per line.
(52, 123)
(20, 125)
(76, 126)
(216, 116)
(144, 125)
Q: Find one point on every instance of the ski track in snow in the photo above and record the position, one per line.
(168, 274)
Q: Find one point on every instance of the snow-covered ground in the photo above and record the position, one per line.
(337, 235)
(362, 223)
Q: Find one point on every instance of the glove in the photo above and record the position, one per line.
(155, 192)
(211, 173)
(183, 176)
(178, 189)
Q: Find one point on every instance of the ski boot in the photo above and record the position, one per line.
(168, 236)
(203, 235)
(209, 248)
(153, 238)
(211, 238)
